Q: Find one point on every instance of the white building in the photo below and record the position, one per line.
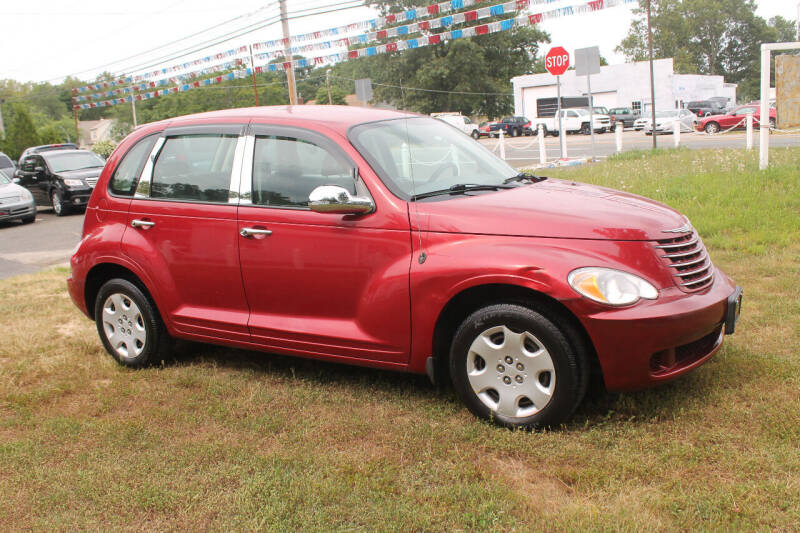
(625, 85)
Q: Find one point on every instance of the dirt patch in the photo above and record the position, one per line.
(540, 490)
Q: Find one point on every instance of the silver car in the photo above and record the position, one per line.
(665, 121)
(16, 202)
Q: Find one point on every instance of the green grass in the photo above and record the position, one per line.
(225, 439)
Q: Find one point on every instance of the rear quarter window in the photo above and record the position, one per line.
(126, 176)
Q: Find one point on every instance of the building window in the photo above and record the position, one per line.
(637, 106)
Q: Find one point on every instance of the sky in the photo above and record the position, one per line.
(96, 35)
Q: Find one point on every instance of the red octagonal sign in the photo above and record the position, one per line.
(556, 61)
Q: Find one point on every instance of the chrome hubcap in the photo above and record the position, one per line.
(56, 203)
(511, 373)
(124, 326)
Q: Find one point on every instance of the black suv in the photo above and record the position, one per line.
(45, 148)
(513, 126)
(62, 178)
(704, 108)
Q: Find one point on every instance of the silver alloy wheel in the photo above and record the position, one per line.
(56, 202)
(123, 325)
(511, 373)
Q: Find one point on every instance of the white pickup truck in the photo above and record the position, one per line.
(573, 121)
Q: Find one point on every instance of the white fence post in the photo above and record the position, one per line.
(618, 135)
(749, 131)
(676, 133)
(562, 138)
(502, 146)
(542, 150)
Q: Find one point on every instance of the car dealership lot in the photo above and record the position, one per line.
(523, 152)
(32, 247)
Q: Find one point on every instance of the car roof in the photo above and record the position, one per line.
(48, 147)
(336, 117)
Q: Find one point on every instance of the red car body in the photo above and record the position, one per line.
(355, 289)
(736, 119)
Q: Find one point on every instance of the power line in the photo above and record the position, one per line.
(169, 43)
(229, 37)
(406, 88)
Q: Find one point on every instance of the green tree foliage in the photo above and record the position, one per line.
(337, 95)
(716, 37)
(20, 132)
(104, 148)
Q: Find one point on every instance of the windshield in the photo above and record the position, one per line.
(4, 178)
(65, 161)
(417, 155)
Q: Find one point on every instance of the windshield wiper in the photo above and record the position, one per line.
(525, 177)
(460, 188)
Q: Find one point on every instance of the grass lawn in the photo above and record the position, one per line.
(225, 439)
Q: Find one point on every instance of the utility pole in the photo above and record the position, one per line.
(75, 116)
(133, 105)
(652, 76)
(287, 54)
(253, 71)
(328, 83)
(2, 126)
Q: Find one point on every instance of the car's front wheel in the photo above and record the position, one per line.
(712, 128)
(513, 365)
(129, 324)
(476, 134)
(59, 208)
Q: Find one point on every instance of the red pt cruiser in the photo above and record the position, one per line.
(391, 240)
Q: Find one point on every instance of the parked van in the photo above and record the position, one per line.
(461, 122)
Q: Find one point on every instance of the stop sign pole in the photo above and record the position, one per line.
(557, 62)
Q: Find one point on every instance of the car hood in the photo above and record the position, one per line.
(81, 174)
(552, 208)
(10, 189)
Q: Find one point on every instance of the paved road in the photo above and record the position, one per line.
(523, 152)
(31, 247)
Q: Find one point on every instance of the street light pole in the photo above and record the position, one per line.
(652, 77)
(328, 83)
(287, 55)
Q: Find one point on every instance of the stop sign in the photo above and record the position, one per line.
(556, 61)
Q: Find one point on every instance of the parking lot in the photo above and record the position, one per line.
(523, 152)
(31, 247)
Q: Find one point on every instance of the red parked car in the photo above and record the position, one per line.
(716, 123)
(391, 240)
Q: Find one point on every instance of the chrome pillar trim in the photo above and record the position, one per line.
(143, 188)
(236, 170)
(246, 172)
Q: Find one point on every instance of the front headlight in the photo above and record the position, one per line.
(73, 183)
(609, 286)
(26, 195)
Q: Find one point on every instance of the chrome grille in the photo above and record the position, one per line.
(91, 182)
(688, 259)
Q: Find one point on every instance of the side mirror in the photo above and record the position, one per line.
(15, 179)
(336, 199)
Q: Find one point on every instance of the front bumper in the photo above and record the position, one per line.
(17, 210)
(76, 197)
(656, 341)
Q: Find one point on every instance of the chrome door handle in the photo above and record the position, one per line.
(145, 224)
(249, 232)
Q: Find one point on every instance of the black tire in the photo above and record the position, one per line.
(475, 134)
(711, 128)
(772, 124)
(569, 375)
(515, 132)
(59, 207)
(156, 345)
(585, 128)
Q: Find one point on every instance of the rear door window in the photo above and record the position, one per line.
(194, 168)
(126, 176)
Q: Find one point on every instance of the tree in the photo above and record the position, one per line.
(20, 133)
(337, 95)
(700, 41)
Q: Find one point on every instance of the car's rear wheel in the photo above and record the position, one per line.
(59, 208)
(515, 132)
(129, 324)
(712, 128)
(772, 124)
(513, 365)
